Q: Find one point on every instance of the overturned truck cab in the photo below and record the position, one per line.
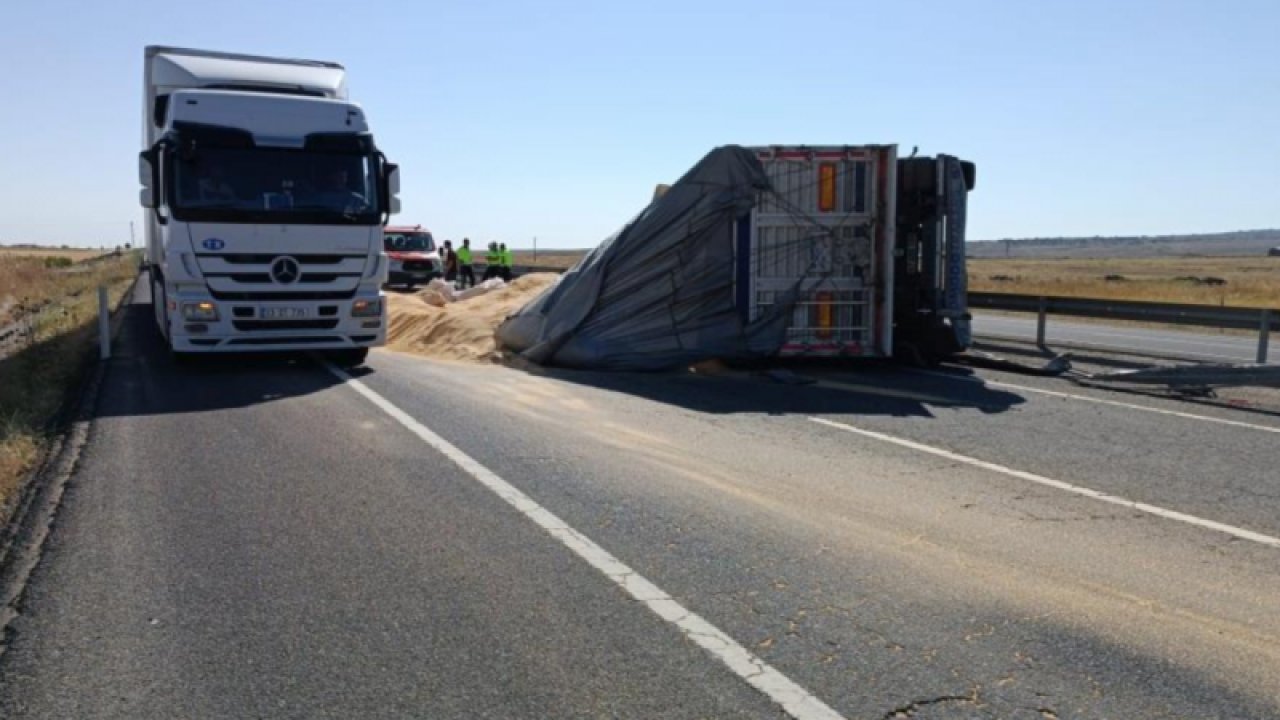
(930, 290)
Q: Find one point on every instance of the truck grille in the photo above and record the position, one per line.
(247, 276)
(332, 295)
(265, 259)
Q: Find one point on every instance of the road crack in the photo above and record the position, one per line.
(910, 709)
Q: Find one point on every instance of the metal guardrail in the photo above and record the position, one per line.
(1263, 320)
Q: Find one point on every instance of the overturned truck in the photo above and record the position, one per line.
(761, 252)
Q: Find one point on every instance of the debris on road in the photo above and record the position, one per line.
(1057, 365)
(441, 323)
(440, 292)
(1191, 376)
(1194, 379)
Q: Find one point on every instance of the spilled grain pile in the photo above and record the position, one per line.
(460, 330)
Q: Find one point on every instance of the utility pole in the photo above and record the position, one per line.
(535, 249)
(131, 241)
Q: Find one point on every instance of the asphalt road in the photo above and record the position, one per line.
(266, 539)
(1201, 346)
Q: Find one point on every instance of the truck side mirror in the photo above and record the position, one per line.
(393, 180)
(393, 188)
(150, 179)
(146, 196)
(144, 168)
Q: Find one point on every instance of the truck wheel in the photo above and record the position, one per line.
(158, 307)
(350, 358)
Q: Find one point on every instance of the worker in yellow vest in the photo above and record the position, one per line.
(466, 273)
(507, 259)
(493, 262)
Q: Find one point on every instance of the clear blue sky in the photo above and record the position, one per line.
(514, 119)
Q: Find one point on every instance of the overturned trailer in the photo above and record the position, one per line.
(770, 251)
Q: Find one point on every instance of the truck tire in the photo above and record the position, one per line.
(349, 358)
(158, 307)
(161, 302)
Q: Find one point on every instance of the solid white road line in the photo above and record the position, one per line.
(1059, 485)
(1102, 401)
(795, 700)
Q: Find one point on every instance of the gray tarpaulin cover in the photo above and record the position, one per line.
(660, 292)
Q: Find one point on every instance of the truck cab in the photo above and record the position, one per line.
(266, 196)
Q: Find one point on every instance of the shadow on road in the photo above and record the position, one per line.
(143, 379)
(827, 389)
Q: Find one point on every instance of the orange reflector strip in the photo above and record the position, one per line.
(827, 187)
(824, 315)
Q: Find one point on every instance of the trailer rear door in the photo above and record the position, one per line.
(823, 233)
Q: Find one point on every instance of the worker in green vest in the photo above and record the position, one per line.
(466, 273)
(493, 262)
(507, 259)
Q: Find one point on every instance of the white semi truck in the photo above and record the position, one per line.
(266, 199)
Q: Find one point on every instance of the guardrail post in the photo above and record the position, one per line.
(1264, 334)
(104, 324)
(1041, 320)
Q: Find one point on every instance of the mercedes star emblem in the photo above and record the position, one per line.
(285, 270)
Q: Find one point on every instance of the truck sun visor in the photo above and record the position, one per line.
(212, 135)
(358, 143)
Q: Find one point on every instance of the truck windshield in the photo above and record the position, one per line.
(215, 184)
(405, 242)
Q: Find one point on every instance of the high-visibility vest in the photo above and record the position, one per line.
(464, 255)
(493, 257)
(507, 258)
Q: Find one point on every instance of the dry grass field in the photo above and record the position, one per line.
(31, 280)
(549, 259)
(1245, 281)
(35, 379)
(74, 254)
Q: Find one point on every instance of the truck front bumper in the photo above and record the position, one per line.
(262, 326)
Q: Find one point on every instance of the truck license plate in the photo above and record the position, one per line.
(282, 313)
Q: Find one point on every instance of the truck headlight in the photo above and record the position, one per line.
(200, 311)
(367, 308)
